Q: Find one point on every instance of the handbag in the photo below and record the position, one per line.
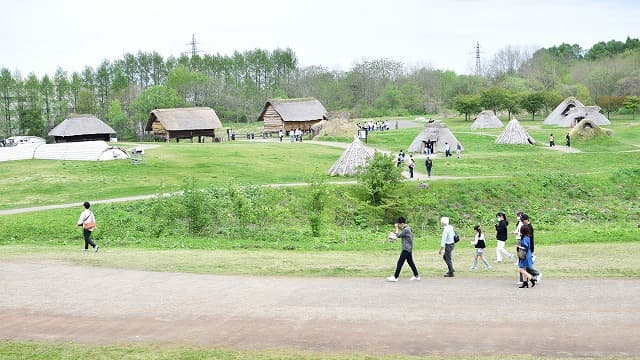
(522, 254)
(89, 225)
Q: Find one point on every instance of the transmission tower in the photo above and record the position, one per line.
(478, 69)
(194, 45)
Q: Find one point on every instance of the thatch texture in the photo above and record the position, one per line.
(81, 128)
(290, 114)
(195, 118)
(354, 157)
(487, 120)
(575, 115)
(434, 131)
(559, 113)
(588, 129)
(514, 133)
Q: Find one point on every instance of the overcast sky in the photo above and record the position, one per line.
(40, 35)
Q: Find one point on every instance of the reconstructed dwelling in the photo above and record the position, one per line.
(438, 133)
(81, 128)
(487, 120)
(514, 133)
(353, 158)
(291, 114)
(183, 123)
(558, 114)
(575, 115)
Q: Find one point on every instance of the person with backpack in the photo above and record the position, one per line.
(501, 237)
(88, 222)
(447, 244)
(479, 245)
(403, 231)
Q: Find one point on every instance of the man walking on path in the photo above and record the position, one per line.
(429, 164)
(88, 223)
(403, 231)
(447, 244)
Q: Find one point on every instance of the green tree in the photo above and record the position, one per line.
(7, 88)
(86, 102)
(511, 102)
(317, 200)
(379, 177)
(632, 103)
(155, 97)
(119, 121)
(610, 103)
(492, 99)
(467, 105)
(189, 84)
(31, 122)
(532, 103)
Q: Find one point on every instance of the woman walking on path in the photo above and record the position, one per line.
(403, 231)
(479, 245)
(88, 223)
(525, 262)
(501, 236)
(412, 164)
(447, 244)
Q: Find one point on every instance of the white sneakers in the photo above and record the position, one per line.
(97, 248)
(415, 278)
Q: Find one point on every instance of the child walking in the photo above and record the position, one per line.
(480, 245)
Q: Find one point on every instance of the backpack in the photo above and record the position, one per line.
(456, 237)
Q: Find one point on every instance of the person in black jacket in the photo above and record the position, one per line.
(501, 236)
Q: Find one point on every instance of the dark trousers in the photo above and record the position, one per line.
(411, 172)
(87, 239)
(428, 171)
(405, 255)
(448, 249)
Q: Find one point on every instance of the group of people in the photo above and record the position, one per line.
(374, 126)
(294, 135)
(552, 140)
(525, 248)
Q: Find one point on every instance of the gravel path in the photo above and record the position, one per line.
(44, 300)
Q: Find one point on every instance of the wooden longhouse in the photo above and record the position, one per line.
(183, 123)
(81, 128)
(291, 114)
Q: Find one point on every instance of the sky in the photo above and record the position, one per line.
(39, 35)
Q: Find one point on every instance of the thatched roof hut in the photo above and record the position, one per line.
(558, 114)
(291, 114)
(487, 120)
(437, 132)
(514, 133)
(588, 129)
(575, 115)
(354, 157)
(81, 128)
(183, 123)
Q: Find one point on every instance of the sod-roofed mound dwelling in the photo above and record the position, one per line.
(588, 129)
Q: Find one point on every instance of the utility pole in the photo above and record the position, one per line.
(193, 44)
(478, 59)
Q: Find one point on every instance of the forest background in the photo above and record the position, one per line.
(123, 91)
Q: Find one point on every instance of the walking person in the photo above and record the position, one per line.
(429, 164)
(524, 258)
(88, 222)
(552, 141)
(403, 231)
(479, 245)
(501, 237)
(280, 134)
(411, 165)
(447, 244)
(568, 138)
(531, 270)
(458, 150)
(447, 150)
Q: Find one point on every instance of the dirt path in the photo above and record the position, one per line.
(61, 302)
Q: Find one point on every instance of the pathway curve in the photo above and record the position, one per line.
(52, 301)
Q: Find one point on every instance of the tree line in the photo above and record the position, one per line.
(514, 80)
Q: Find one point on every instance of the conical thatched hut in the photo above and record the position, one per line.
(588, 129)
(578, 113)
(436, 132)
(514, 133)
(558, 114)
(487, 120)
(355, 156)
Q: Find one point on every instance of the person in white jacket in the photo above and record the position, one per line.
(447, 244)
(88, 222)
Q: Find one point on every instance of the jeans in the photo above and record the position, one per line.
(405, 255)
(87, 239)
(448, 249)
